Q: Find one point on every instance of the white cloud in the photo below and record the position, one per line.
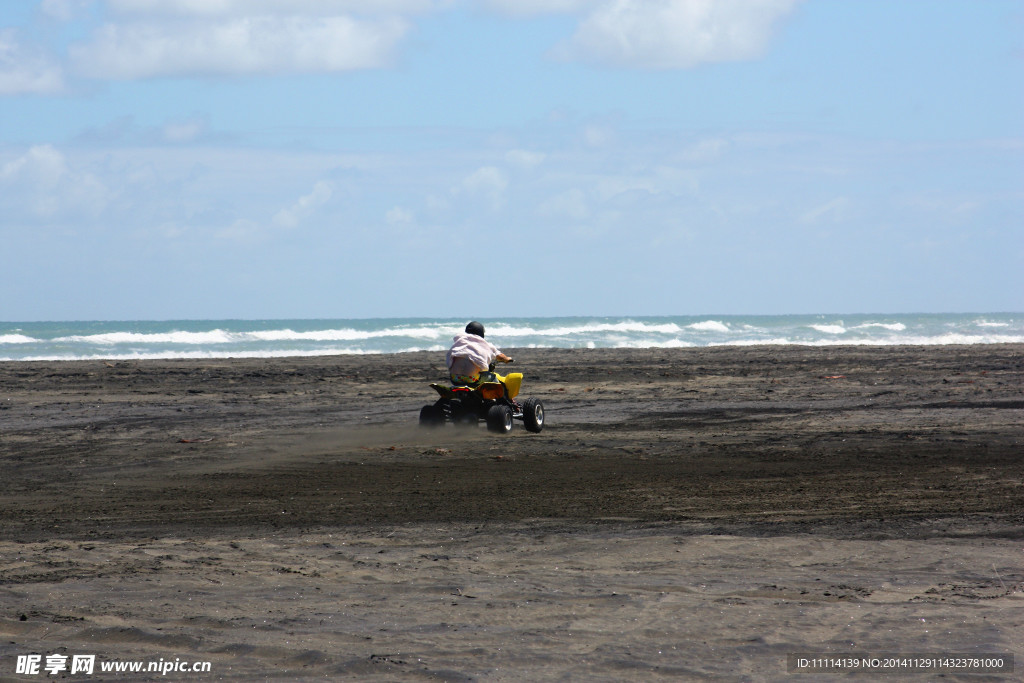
(526, 8)
(215, 8)
(144, 39)
(487, 180)
(42, 184)
(705, 151)
(676, 34)
(832, 211)
(305, 206)
(248, 45)
(41, 166)
(24, 70)
(525, 158)
(184, 131)
(241, 230)
(64, 10)
(569, 204)
(598, 135)
(399, 216)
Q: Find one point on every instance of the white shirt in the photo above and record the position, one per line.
(470, 355)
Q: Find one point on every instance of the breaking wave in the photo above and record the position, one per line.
(269, 339)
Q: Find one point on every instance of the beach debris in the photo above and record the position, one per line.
(833, 377)
(195, 440)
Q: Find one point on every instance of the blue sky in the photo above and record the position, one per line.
(164, 159)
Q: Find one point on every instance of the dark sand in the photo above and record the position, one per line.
(685, 513)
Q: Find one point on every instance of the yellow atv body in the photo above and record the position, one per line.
(502, 386)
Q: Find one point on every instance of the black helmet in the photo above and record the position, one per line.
(475, 328)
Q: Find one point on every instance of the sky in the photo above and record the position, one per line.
(276, 159)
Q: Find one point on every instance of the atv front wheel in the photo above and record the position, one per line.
(533, 415)
(499, 419)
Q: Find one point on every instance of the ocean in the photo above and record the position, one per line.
(198, 339)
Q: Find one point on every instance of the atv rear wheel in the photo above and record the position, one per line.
(464, 417)
(533, 415)
(431, 416)
(499, 419)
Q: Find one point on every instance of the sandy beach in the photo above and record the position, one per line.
(686, 513)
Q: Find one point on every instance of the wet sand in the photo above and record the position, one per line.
(685, 513)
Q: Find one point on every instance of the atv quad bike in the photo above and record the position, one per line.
(493, 401)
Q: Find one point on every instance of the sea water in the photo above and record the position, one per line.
(275, 338)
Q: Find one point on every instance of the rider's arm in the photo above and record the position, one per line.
(503, 358)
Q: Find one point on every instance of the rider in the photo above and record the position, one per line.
(471, 355)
